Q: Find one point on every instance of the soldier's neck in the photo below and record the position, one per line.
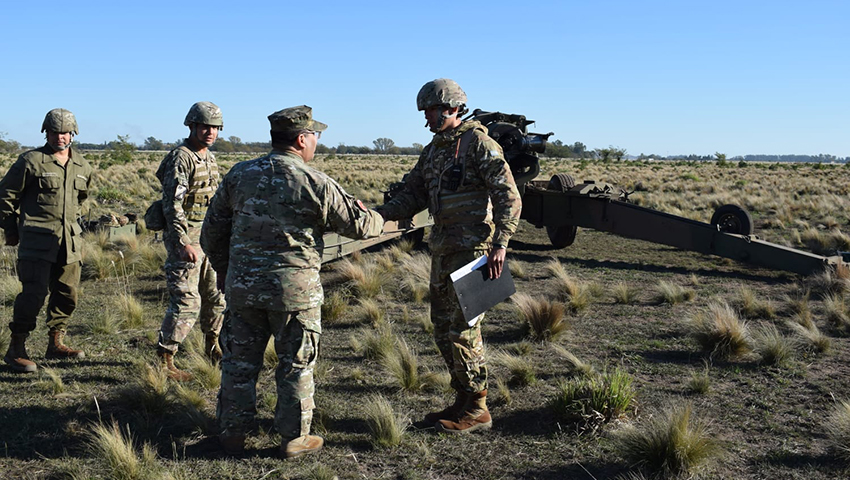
(62, 156)
(197, 146)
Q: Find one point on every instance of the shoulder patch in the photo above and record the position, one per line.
(361, 206)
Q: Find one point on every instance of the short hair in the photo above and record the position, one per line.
(287, 138)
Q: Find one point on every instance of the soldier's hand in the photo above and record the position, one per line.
(188, 254)
(495, 262)
(12, 239)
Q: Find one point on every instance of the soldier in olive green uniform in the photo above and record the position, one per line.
(464, 181)
(40, 199)
(189, 177)
(264, 233)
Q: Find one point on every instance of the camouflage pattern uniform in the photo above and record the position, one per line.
(40, 202)
(475, 205)
(188, 181)
(264, 228)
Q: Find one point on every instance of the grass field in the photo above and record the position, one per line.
(642, 360)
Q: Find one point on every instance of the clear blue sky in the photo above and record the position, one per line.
(665, 77)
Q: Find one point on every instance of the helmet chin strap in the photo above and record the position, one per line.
(443, 117)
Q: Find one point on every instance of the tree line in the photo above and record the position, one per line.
(121, 149)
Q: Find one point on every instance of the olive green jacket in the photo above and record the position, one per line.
(41, 199)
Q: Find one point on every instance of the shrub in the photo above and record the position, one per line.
(624, 293)
(671, 444)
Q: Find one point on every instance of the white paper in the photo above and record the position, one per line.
(468, 268)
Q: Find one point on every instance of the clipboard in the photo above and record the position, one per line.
(477, 292)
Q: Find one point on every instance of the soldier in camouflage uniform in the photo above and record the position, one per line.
(464, 181)
(263, 233)
(189, 177)
(40, 199)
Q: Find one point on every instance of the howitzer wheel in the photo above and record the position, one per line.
(733, 219)
(563, 236)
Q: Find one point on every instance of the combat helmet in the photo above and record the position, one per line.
(60, 120)
(442, 91)
(206, 113)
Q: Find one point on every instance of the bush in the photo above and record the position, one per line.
(590, 402)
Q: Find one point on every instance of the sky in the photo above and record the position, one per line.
(654, 77)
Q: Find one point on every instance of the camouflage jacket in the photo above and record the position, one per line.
(40, 201)
(471, 195)
(188, 183)
(264, 227)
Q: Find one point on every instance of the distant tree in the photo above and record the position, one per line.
(223, 146)
(121, 150)
(604, 154)
(417, 147)
(8, 146)
(383, 145)
(618, 153)
(579, 149)
(153, 143)
(236, 141)
(721, 159)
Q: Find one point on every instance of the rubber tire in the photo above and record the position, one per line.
(733, 219)
(562, 236)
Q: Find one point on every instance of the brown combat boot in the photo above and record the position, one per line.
(473, 417)
(173, 372)
(211, 347)
(233, 445)
(56, 350)
(16, 357)
(448, 413)
(302, 446)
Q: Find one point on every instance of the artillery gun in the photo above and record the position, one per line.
(560, 205)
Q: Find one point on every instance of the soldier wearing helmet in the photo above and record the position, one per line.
(40, 201)
(464, 181)
(189, 177)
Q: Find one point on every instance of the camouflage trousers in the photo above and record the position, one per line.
(192, 294)
(38, 278)
(461, 346)
(244, 338)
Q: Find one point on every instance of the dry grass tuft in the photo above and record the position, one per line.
(374, 344)
(366, 278)
(811, 336)
(751, 306)
(671, 445)
(772, 347)
(835, 309)
(700, 381)
(544, 318)
(270, 359)
(671, 293)
(131, 311)
(386, 427)
(624, 294)
(720, 331)
(372, 311)
(53, 381)
(837, 426)
(518, 269)
(415, 281)
(521, 369)
(116, 450)
(403, 365)
(576, 366)
(334, 307)
(10, 287)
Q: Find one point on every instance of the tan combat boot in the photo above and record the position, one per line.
(474, 416)
(211, 347)
(448, 413)
(173, 372)
(233, 445)
(16, 357)
(302, 446)
(56, 350)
